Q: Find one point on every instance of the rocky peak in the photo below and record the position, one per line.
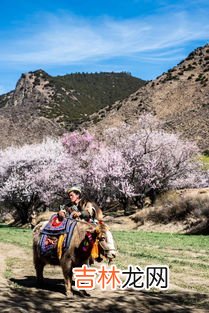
(31, 89)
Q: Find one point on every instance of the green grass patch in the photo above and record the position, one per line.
(10, 262)
(16, 236)
(186, 255)
(141, 239)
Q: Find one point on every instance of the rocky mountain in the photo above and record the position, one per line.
(179, 97)
(44, 105)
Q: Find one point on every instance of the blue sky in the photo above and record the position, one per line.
(144, 37)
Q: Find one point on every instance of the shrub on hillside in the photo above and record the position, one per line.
(180, 210)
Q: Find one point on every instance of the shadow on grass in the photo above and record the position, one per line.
(49, 284)
(54, 285)
(51, 298)
(4, 225)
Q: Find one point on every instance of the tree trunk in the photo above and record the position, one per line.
(126, 205)
(22, 212)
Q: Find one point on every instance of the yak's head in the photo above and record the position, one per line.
(98, 242)
(106, 245)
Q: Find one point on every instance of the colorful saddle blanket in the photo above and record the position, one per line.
(56, 236)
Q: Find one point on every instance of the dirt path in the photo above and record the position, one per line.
(8, 251)
(20, 294)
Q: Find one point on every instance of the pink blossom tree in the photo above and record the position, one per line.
(154, 159)
(125, 165)
(40, 173)
(22, 169)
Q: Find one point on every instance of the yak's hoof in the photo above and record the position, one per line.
(85, 293)
(69, 294)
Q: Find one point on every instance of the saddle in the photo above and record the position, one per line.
(56, 236)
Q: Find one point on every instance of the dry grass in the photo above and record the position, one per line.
(189, 208)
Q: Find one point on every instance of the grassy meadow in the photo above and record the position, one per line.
(186, 255)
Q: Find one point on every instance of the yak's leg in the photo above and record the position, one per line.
(39, 267)
(68, 275)
(39, 272)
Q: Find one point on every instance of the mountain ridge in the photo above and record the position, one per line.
(178, 97)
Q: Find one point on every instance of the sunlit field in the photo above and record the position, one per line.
(186, 256)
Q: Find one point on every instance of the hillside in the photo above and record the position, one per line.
(180, 97)
(44, 105)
